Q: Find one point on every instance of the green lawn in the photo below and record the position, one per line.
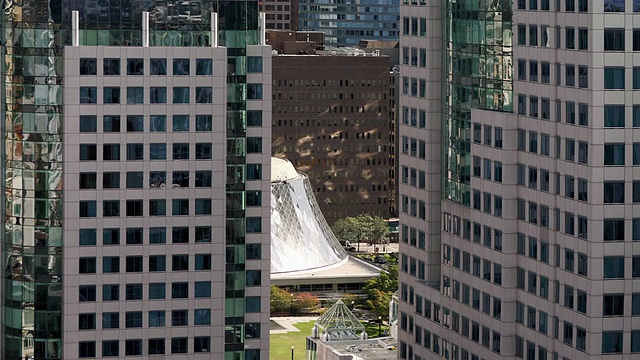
(372, 329)
(281, 343)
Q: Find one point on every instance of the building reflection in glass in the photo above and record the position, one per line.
(479, 75)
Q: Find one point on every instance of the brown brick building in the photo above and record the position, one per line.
(280, 14)
(331, 118)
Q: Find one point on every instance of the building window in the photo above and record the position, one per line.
(87, 237)
(87, 265)
(88, 95)
(205, 66)
(611, 342)
(180, 207)
(135, 152)
(156, 347)
(158, 95)
(87, 349)
(202, 344)
(110, 320)
(180, 66)
(614, 116)
(111, 67)
(179, 318)
(88, 66)
(180, 95)
(613, 39)
(614, 192)
(111, 348)
(180, 235)
(157, 262)
(179, 345)
(158, 66)
(615, 6)
(254, 64)
(87, 180)
(181, 151)
(583, 39)
(133, 292)
(254, 91)
(111, 95)
(203, 178)
(202, 289)
(135, 67)
(204, 95)
(111, 123)
(614, 78)
(613, 267)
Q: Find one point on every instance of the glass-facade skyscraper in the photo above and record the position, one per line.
(127, 159)
(520, 122)
(345, 23)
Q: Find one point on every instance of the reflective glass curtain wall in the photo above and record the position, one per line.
(239, 27)
(479, 74)
(346, 22)
(35, 32)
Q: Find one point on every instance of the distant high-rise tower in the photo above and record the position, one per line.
(133, 137)
(518, 194)
(347, 22)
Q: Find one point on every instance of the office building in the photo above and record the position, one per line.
(133, 138)
(345, 23)
(331, 120)
(280, 14)
(295, 42)
(518, 195)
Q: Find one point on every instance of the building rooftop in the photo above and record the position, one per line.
(342, 51)
(381, 44)
(370, 349)
(349, 268)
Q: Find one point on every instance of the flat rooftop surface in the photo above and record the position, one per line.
(366, 349)
(353, 267)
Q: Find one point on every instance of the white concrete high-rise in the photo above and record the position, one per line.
(519, 200)
(136, 181)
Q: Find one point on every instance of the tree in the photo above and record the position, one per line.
(374, 228)
(345, 229)
(347, 299)
(387, 281)
(280, 299)
(380, 289)
(306, 301)
(378, 302)
(361, 227)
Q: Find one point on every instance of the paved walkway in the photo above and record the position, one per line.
(366, 248)
(288, 322)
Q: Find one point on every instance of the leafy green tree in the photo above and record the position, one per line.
(380, 289)
(378, 302)
(347, 299)
(362, 227)
(387, 281)
(280, 299)
(374, 228)
(345, 229)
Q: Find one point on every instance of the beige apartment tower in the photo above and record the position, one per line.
(519, 196)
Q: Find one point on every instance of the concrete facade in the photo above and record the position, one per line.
(164, 196)
(521, 244)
